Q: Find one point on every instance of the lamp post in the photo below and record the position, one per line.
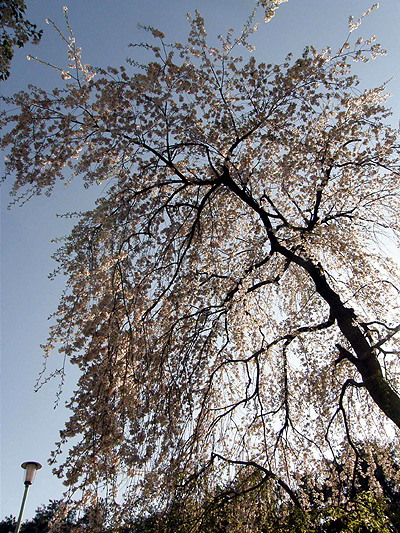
(30, 468)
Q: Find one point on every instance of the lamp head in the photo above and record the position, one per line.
(30, 470)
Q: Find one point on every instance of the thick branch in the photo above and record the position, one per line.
(366, 361)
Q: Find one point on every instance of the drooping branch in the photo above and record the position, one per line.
(267, 472)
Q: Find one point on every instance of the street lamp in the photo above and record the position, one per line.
(30, 468)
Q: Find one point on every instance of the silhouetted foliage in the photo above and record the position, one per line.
(15, 30)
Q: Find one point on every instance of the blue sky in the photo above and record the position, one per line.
(29, 422)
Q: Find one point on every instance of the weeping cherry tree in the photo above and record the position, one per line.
(227, 302)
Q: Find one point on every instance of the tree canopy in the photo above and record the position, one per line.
(227, 300)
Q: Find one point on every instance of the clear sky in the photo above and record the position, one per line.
(29, 422)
